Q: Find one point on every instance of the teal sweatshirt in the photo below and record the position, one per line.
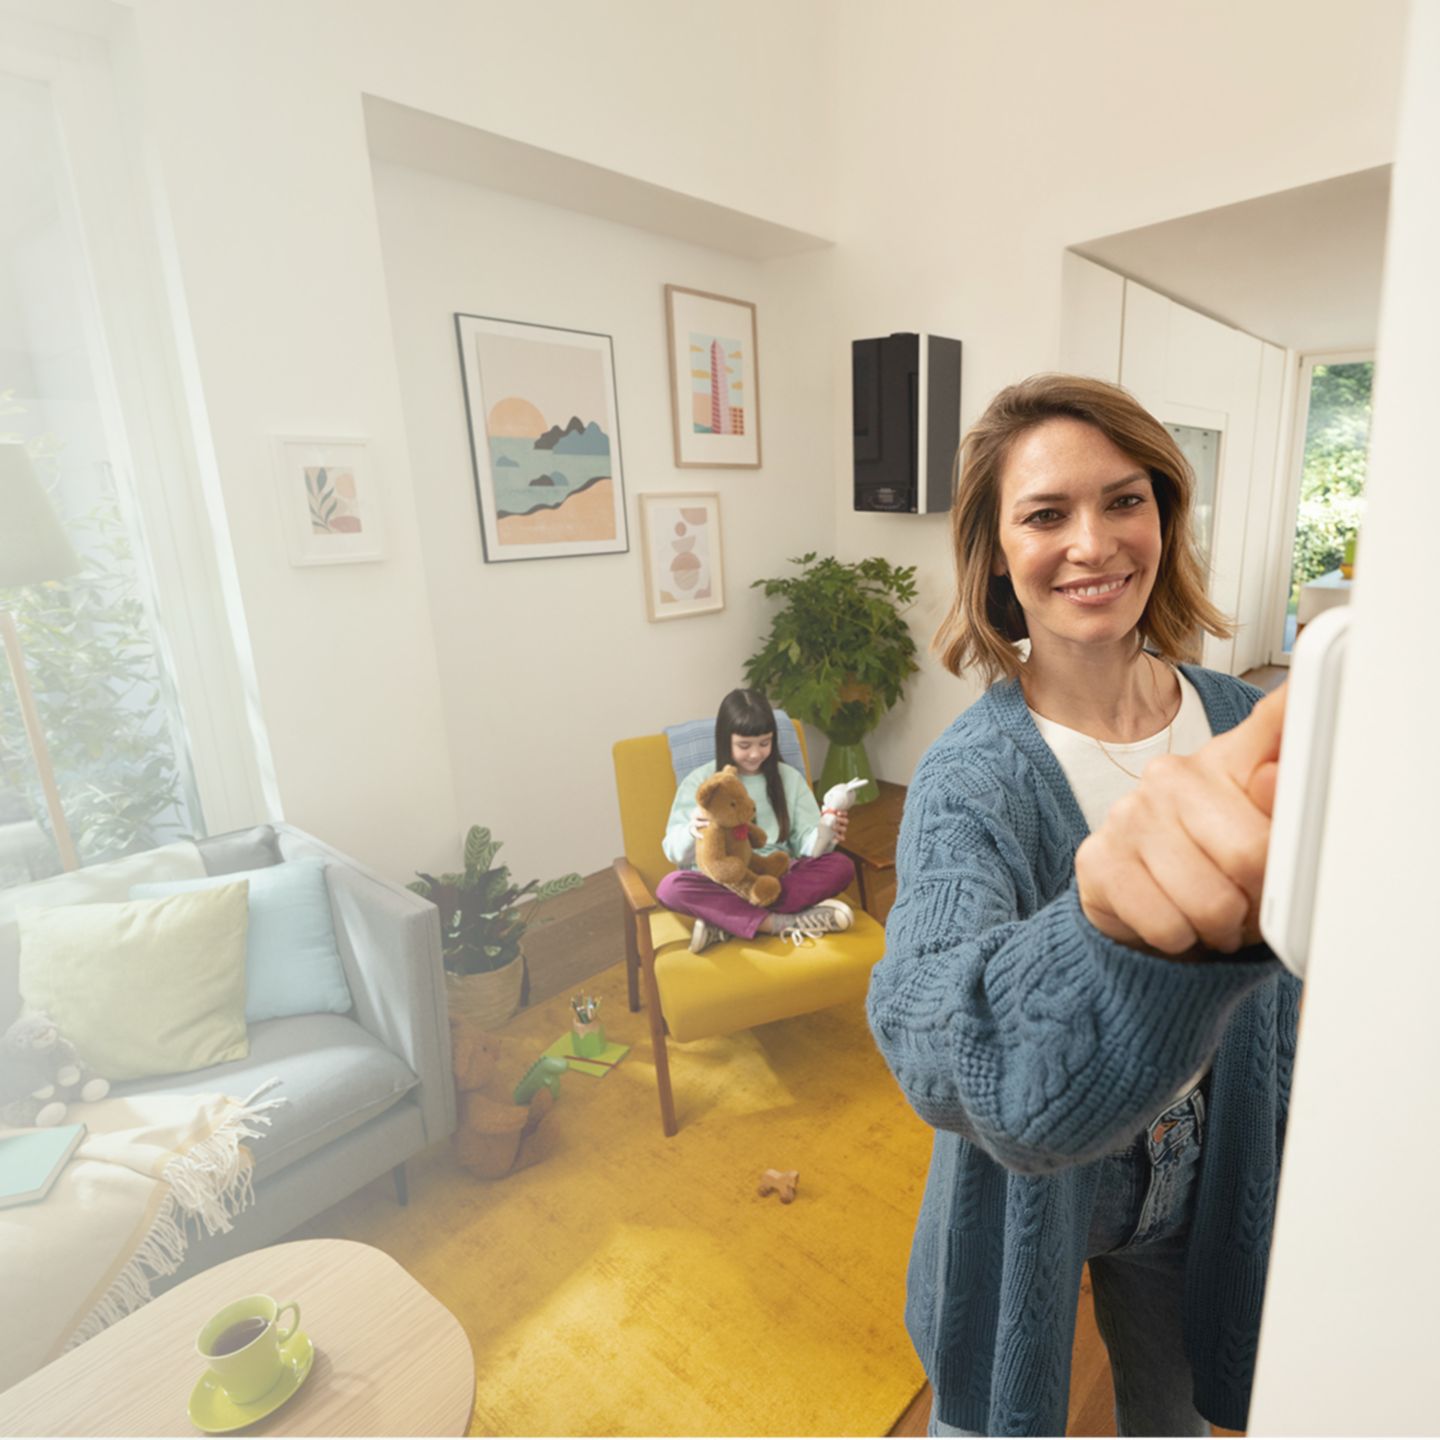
(679, 843)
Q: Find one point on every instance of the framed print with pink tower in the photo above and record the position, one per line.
(714, 379)
(684, 571)
(544, 439)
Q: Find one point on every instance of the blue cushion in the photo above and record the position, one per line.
(292, 966)
(693, 744)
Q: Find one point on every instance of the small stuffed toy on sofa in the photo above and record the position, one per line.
(40, 1073)
(724, 849)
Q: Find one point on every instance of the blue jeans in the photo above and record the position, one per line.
(1136, 1251)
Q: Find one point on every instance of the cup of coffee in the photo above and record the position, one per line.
(241, 1344)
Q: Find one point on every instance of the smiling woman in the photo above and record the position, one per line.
(1052, 444)
(1074, 992)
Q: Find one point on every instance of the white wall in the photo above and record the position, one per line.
(544, 664)
(1189, 369)
(254, 119)
(1347, 1344)
(1005, 133)
(1015, 130)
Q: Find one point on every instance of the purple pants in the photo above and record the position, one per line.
(802, 885)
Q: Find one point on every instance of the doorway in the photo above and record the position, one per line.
(1326, 503)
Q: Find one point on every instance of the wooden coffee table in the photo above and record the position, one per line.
(390, 1359)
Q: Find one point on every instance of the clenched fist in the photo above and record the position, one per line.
(1179, 863)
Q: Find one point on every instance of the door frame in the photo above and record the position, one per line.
(1277, 590)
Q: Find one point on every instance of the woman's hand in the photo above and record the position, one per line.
(840, 823)
(1180, 861)
(698, 821)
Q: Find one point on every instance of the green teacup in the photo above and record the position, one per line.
(241, 1344)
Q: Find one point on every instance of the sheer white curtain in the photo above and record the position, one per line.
(92, 645)
(140, 664)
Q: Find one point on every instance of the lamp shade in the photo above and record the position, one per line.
(33, 546)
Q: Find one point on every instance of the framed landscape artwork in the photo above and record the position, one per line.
(544, 439)
(684, 573)
(714, 379)
(328, 504)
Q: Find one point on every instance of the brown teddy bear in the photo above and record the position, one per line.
(725, 848)
(492, 1127)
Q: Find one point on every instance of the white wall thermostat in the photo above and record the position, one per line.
(1302, 793)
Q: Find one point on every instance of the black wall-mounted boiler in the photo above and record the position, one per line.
(906, 422)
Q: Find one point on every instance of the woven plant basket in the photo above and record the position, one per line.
(487, 1000)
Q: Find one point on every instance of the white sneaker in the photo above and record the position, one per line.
(703, 936)
(824, 918)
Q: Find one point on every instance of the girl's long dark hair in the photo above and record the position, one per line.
(748, 712)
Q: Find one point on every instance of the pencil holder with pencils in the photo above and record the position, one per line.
(588, 1034)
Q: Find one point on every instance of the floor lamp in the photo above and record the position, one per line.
(33, 549)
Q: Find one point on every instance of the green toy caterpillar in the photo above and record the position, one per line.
(547, 1070)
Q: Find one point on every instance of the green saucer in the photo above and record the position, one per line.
(213, 1411)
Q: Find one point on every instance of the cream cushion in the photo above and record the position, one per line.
(111, 880)
(151, 987)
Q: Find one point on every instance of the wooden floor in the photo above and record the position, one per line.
(1268, 677)
(578, 934)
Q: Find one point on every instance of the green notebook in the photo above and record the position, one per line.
(31, 1159)
(602, 1064)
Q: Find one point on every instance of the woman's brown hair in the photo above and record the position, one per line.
(985, 619)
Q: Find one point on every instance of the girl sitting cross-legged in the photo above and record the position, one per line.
(785, 810)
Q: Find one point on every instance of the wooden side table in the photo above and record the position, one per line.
(390, 1359)
(870, 843)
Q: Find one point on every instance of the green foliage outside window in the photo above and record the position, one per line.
(92, 666)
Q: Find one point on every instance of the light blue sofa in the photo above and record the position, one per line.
(365, 1091)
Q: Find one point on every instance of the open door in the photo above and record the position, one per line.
(1325, 494)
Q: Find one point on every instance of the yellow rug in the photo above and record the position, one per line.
(620, 1283)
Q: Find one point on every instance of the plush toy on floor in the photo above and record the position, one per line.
(725, 848)
(779, 1182)
(41, 1073)
(492, 1126)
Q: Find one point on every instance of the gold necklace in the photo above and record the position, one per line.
(1169, 734)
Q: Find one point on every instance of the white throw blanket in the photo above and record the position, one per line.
(118, 1215)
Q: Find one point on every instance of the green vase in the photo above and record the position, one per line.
(847, 762)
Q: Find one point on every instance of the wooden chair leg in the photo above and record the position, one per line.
(632, 955)
(657, 1033)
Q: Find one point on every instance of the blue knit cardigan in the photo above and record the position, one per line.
(1036, 1046)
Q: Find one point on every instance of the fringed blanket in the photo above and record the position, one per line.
(120, 1214)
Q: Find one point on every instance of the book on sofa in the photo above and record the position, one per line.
(30, 1160)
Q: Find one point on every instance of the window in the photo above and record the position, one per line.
(93, 652)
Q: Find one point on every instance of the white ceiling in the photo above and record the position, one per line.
(1299, 268)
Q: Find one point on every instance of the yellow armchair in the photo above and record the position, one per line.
(736, 984)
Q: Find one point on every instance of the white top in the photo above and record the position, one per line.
(1099, 782)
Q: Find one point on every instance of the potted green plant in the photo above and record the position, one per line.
(838, 654)
(482, 924)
